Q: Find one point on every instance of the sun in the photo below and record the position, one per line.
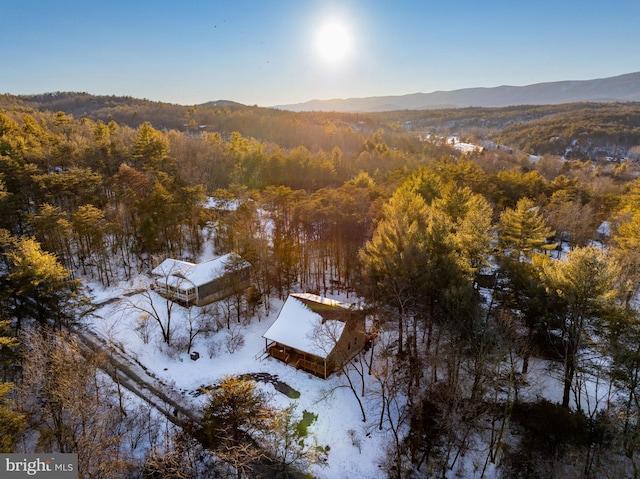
(333, 41)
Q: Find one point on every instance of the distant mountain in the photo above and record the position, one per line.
(613, 89)
(124, 110)
(221, 104)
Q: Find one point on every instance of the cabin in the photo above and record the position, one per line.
(202, 283)
(316, 334)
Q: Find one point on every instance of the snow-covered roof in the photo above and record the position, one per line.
(180, 274)
(321, 300)
(605, 228)
(299, 327)
(171, 266)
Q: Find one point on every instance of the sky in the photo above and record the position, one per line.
(274, 52)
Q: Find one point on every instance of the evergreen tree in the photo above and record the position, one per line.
(523, 230)
(235, 417)
(52, 229)
(11, 421)
(394, 261)
(470, 215)
(40, 287)
(626, 249)
(585, 284)
(151, 149)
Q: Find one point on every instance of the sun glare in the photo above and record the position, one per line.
(333, 41)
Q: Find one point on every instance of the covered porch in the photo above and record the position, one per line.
(186, 296)
(310, 363)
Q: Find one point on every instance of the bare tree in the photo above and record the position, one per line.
(390, 389)
(199, 321)
(326, 337)
(68, 404)
(149, 303)
(181, 457)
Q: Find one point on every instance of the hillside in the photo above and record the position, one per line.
(595, 130)
(124, 110)
(620, 88)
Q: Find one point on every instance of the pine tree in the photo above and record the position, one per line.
(235, 417)
(151, 148)
(523, 230)
(11, 421)
(40, 287)
(626, 249)
(394, 261)
(584, 282)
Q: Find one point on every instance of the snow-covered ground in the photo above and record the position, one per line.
(462, 146)
(357, 448)
(339, 424)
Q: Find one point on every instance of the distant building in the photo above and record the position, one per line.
(202, 283)
(316, 334)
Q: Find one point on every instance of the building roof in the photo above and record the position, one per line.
(297, 326)
(322, 300)
(605, 228)
(180, 274)
(171, 266)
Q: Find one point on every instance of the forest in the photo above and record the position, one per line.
(471, 266)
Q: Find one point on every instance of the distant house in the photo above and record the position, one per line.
(316, 334)
(202, 283)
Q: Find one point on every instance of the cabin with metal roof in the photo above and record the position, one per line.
(316, 334)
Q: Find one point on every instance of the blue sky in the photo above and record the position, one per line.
(265, 52)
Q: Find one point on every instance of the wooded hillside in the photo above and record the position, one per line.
(470, 265)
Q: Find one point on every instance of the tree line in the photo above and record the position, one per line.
(578, 130)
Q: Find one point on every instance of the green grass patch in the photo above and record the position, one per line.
(302, 427)
(293, 394)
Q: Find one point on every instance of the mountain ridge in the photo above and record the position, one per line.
(620, 88)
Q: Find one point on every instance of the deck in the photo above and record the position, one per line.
(300, 360)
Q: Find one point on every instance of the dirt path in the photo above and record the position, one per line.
(133, 377)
